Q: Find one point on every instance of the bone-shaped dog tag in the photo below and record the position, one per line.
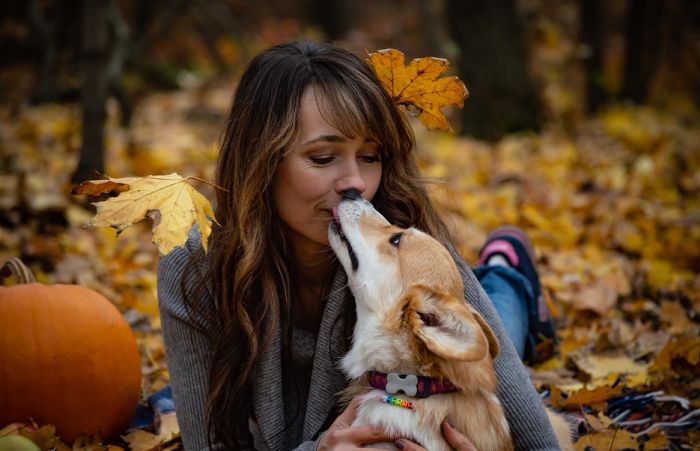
(408, 383)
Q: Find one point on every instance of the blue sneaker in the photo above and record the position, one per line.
(513, 244)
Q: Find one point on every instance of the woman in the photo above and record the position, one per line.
(253, 329)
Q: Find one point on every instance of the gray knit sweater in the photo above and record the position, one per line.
(188, 354)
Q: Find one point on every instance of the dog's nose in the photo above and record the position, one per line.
(352, 194)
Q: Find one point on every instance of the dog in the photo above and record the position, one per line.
(426, 353)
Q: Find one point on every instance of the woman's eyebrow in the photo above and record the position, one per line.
(326, 138)
(331, 139)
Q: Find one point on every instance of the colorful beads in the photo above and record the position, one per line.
(398, 402)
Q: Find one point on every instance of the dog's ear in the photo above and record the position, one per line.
(446, 325)
(494, 346)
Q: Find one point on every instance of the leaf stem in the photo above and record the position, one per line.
(207, 182)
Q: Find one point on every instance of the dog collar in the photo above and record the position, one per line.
(410, 384)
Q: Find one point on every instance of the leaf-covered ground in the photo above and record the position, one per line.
(612, 206)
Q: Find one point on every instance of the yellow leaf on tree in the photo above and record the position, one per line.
(418, 84)
(168, 200)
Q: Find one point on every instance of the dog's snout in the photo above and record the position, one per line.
(352, 194)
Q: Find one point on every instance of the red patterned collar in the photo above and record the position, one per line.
(410, 384)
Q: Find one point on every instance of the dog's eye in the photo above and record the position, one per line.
(395, 239)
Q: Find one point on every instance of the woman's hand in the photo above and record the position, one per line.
(342, 436)
(456, 440)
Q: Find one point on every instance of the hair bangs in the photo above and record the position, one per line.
(351, 110)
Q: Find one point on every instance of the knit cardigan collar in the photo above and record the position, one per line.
(326, 377)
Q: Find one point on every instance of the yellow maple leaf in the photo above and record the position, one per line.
(168, 200)
(592, 397)
(418, 84)
(613, 439)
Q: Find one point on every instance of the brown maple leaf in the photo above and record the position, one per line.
(418, 85)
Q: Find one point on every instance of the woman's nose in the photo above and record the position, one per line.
(350, 179)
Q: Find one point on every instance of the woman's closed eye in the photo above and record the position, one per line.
(371, 158)
(321, 160)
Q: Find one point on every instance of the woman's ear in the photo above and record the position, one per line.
(446, 325)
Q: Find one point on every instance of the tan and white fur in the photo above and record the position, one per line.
(412, 319)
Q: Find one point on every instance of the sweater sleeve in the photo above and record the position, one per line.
(188, 348)
(530, 427)
(307, 446)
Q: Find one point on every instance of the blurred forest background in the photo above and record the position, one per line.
(581, 126)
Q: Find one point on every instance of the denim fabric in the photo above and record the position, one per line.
(510, 293)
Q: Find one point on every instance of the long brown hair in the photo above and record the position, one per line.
(249, 263)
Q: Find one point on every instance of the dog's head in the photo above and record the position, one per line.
(407, 284)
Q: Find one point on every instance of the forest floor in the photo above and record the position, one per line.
(612, 205)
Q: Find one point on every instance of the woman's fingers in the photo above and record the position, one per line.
(341, 435)
(407, 445)
(346, 418)
(456, 439)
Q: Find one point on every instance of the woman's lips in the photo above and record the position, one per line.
(333, 213)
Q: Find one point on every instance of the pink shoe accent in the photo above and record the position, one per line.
(500, 247)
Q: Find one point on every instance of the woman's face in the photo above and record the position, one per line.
(312, 176)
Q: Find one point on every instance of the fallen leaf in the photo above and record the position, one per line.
(168, 200)
(168, 427)
(598, 297)
(418, 84)
(595, 398)
(558, 376)
(169, 431)
(600, 366)
(598, 422)
(143, 441)
(44, 437)
(686, 347)
(87, 444)
(638, 306)
(619, 439)
(672, 313)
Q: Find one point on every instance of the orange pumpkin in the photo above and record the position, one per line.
(67, 358)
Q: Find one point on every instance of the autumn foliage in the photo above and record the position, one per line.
(611, 204)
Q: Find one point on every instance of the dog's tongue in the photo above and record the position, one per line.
(336, 218)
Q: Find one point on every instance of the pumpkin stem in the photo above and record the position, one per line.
(17, 268)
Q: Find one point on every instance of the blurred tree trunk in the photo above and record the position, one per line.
(493, 65)
(592, 36)
(44, 33)
(437, 42)
(332, 16)
(94, 91)
(642, 44)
